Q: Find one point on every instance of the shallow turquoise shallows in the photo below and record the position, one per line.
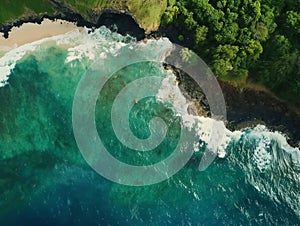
(44, 179)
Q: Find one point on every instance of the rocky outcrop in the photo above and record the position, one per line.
(249, 107)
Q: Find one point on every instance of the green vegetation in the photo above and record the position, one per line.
(10, 10)
(147, 12)
(256, 40)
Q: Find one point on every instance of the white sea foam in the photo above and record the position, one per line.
(9, 60)
(95, 44)
(280, 163)
(217, 142)
(80, 43)
(160, 48)
(264, 138)
(261, 156)
(169, 92)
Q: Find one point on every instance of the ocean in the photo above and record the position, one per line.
(46, 178)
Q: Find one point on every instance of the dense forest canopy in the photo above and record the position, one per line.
(256, 40)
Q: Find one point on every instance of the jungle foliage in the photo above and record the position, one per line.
(242, 40)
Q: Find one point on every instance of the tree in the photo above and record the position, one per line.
(293, 24)
(169, 15)
(235, 36)
(253, 49)
(189, 22)
(261, 32)
(200, 34)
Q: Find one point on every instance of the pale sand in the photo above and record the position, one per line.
(30, 32)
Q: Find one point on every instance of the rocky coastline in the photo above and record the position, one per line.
(245, 108)
(123, 20)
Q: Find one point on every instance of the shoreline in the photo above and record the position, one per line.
(250, 107)
(107, 17)
(30, 32)
(245, 108)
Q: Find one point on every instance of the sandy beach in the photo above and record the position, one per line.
(30, 32)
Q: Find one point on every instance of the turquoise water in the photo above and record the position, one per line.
(44, 180)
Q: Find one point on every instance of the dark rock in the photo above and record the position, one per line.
(121, 23)
(249, 107)
(191, 90)
(124, 22)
